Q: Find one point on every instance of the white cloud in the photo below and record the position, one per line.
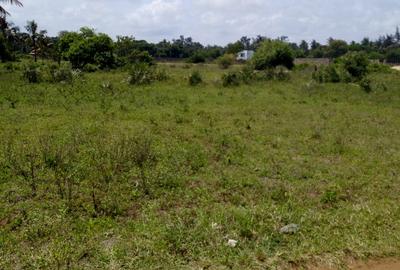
(216, 21)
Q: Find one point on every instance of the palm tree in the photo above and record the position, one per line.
(4, 12)
(32, 29)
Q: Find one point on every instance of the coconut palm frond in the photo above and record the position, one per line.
(12, 2)
(4, 12)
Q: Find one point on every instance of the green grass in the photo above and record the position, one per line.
(103, 175)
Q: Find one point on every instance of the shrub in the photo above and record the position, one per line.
(197, 58)
(32, 73)
(136, 57)
(195, 78)
(142, 73)
(393, 56)
(379, 68)
(365, 85)
(82, 48)
(230, 79)
(273, 53)
(226, 61)
(161, 75)
(331, 73)
(247, 74)
(355, 63)
(60, 74)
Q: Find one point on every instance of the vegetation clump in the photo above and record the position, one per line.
(32, 73)
(231, 79)
(143, 73)
(273, 53)
(225, 61)
(195, 78)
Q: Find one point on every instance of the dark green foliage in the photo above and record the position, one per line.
(5, 54)
(195, 78)
(197, 58)
(355, 63)
(32, 73)
(231, 79)
(273, 53)
(84, 48)
(365, 85)
(337, 48)
(393, 56)
(351, 67)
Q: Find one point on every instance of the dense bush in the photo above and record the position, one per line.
(393, 56)
(226, 60)
(355, 63)
(137, 56)
(329, 73)
(5, 54)
(273, 53)
(87, 48)
(197, 58)
(32, 73)
(231, 79)
(352, 67)
(380, 68)
(195, 78)
(61, 73)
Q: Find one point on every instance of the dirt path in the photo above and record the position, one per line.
(379, 265)
(396, 68)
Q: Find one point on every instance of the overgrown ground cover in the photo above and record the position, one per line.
(100, 174)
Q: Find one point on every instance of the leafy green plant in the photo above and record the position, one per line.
(195, 78)
(273, 53)
(225, 61)
(230, 79)
(32, 73)
(141, 74)
(355, 63)
(60, 74)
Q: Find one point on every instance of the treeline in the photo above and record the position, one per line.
(86, 47)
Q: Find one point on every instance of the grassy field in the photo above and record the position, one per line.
(100, 174)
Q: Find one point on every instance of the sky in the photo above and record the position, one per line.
(216, 21)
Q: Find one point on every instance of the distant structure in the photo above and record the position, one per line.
(245, 55)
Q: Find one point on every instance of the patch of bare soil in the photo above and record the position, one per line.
(397, 68)
(378, 265)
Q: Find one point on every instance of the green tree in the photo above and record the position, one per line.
(234, 48)
(273, 53)
(32, 29)
(4, 51)
(83, 50)
(337, 48)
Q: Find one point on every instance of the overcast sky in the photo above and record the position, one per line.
(216, 21)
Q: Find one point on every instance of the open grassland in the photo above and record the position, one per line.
(100, 174)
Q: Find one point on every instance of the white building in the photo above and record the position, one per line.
(245, 55)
